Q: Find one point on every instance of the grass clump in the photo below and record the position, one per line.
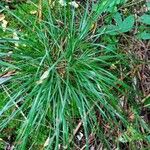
(63, 75)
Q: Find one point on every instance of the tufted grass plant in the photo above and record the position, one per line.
(62, 76)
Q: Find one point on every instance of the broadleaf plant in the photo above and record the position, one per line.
(121, 26)
(145, 20)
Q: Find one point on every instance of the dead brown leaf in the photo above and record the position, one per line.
(2, 17)
(8, 74)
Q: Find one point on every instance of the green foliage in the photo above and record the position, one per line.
(145, 34)
(62, 73)
(121, 26)
(145, 19)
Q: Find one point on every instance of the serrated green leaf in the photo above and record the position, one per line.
(127, 24)
(144, 35)
(112, 30)
(145, 19)
(121, 27)
(118, 18)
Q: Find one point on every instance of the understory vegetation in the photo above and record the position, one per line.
(74, 75)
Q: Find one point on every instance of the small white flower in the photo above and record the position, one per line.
(62, 3)
(74, 4)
